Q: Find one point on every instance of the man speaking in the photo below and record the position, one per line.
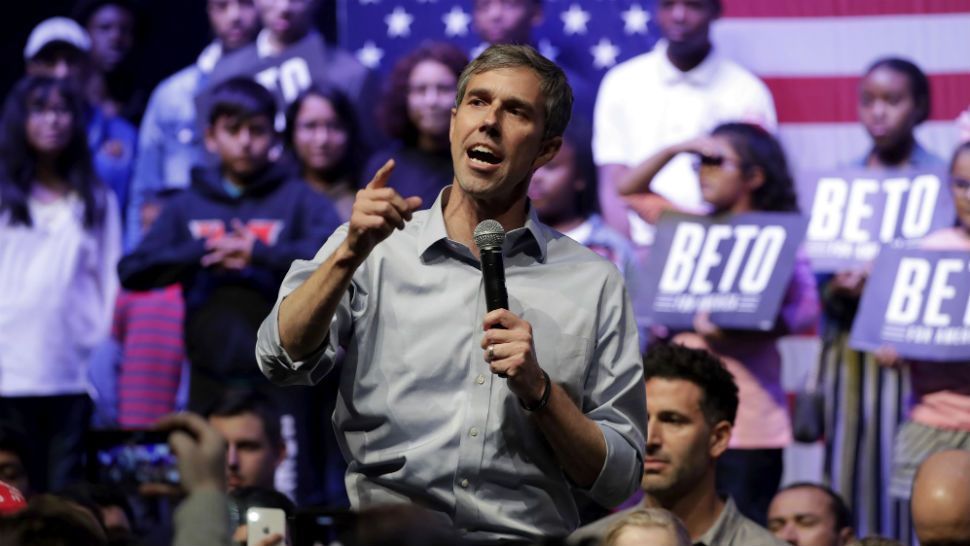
(492, 418)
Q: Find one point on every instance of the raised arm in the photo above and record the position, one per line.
(305, 315)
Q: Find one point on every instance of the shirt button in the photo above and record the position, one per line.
(473, 432)
(464, 483)
(480, 379)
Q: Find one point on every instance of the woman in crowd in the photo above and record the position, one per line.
(742, 168)
(323, 140)
(865, 403)
(415, 111)
(653, 526)
(59, 245)
(939, 417)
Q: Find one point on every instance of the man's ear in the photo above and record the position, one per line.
(846, 536)
(547, 150)
(281, 455)
(720, 438)
(210, 139)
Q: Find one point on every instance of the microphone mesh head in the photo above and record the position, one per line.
(488, 235)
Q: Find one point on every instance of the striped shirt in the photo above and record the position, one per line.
(148, 327)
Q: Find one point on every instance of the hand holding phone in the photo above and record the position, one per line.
(265, 526)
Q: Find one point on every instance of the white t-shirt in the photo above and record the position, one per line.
(646, 104)
(58, 283)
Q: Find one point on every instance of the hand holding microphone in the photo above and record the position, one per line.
(507, 342)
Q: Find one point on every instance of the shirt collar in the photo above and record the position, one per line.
(209, 57)
(723, 527)
(532, 238)
(701, 75)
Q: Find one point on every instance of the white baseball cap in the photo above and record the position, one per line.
(56, 29)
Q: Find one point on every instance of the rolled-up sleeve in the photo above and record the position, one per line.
(616, 397)
(272, 358)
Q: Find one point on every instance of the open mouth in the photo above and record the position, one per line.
(483, 155)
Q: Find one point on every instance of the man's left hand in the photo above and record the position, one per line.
(510, 353)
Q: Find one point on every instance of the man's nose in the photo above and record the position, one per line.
(232, 457)
(788, 533)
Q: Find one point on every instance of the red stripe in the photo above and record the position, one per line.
(840, 8)
(173, 342)
(835, 99)
(147, 395)
(137, 353)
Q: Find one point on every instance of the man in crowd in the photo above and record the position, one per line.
(250, 424)
(289, 55)
(692, 401)
(810, 514)
(941, 499)
(680, 90)
(170, 139)
(493, 428)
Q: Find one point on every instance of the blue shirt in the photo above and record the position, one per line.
(420, 416)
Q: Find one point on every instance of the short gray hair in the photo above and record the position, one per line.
(649, 517)
(552, 81)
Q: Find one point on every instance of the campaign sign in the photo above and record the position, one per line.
(854, 212)
(736, 268)
(916, 301)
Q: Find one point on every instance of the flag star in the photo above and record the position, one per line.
(574, 20)
(370, 55)
(427, 1)
(604, 53)
(548, 50)
(635, 20)
(398, 23)
(365, 2)
(456, 22)
(476, 51)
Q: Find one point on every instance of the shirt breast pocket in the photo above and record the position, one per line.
(570, 366)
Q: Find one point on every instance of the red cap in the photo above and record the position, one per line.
(11, 500)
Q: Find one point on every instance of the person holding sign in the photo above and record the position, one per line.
(940, 416)
(742, 169)
(894, 98)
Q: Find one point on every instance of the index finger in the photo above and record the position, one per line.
(502, 318)
(190, 422)
(380, 178)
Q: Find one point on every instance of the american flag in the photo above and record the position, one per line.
(811, 53)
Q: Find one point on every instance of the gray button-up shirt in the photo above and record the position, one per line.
(420, 416)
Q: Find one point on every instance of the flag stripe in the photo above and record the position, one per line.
(839, 8)
(835, 99)
(843, 46)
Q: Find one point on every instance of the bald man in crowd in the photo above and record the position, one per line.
(941, 499)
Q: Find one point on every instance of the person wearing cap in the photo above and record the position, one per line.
(494, 420)
(58, 48)
(169, 138)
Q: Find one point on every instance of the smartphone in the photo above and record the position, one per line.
(263, 522)
(129, 458)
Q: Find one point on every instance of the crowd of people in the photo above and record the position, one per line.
(292, 262)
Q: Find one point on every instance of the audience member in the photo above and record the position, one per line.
(894, 98)
(512, 22)
(939, 411)
(109, 505)
(563, 193)
(51, 521)
(289, 38)
(58, 48)
(170, 139)
(229, 239)
(322, 137)
(415, 112)
(810, 514)
(692, 401)
(742, 168)
(876, 541)
(653, 526)
(112, 84)
(250, 424)
(60, 235)
(679, 90)
(941, 499)
(13, 458)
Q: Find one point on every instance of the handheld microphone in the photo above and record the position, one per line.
(489, 237)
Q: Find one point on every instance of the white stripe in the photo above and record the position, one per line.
(827, 145)
(841, 46)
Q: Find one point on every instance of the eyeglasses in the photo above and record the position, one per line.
(719, 161)
(42, 111)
